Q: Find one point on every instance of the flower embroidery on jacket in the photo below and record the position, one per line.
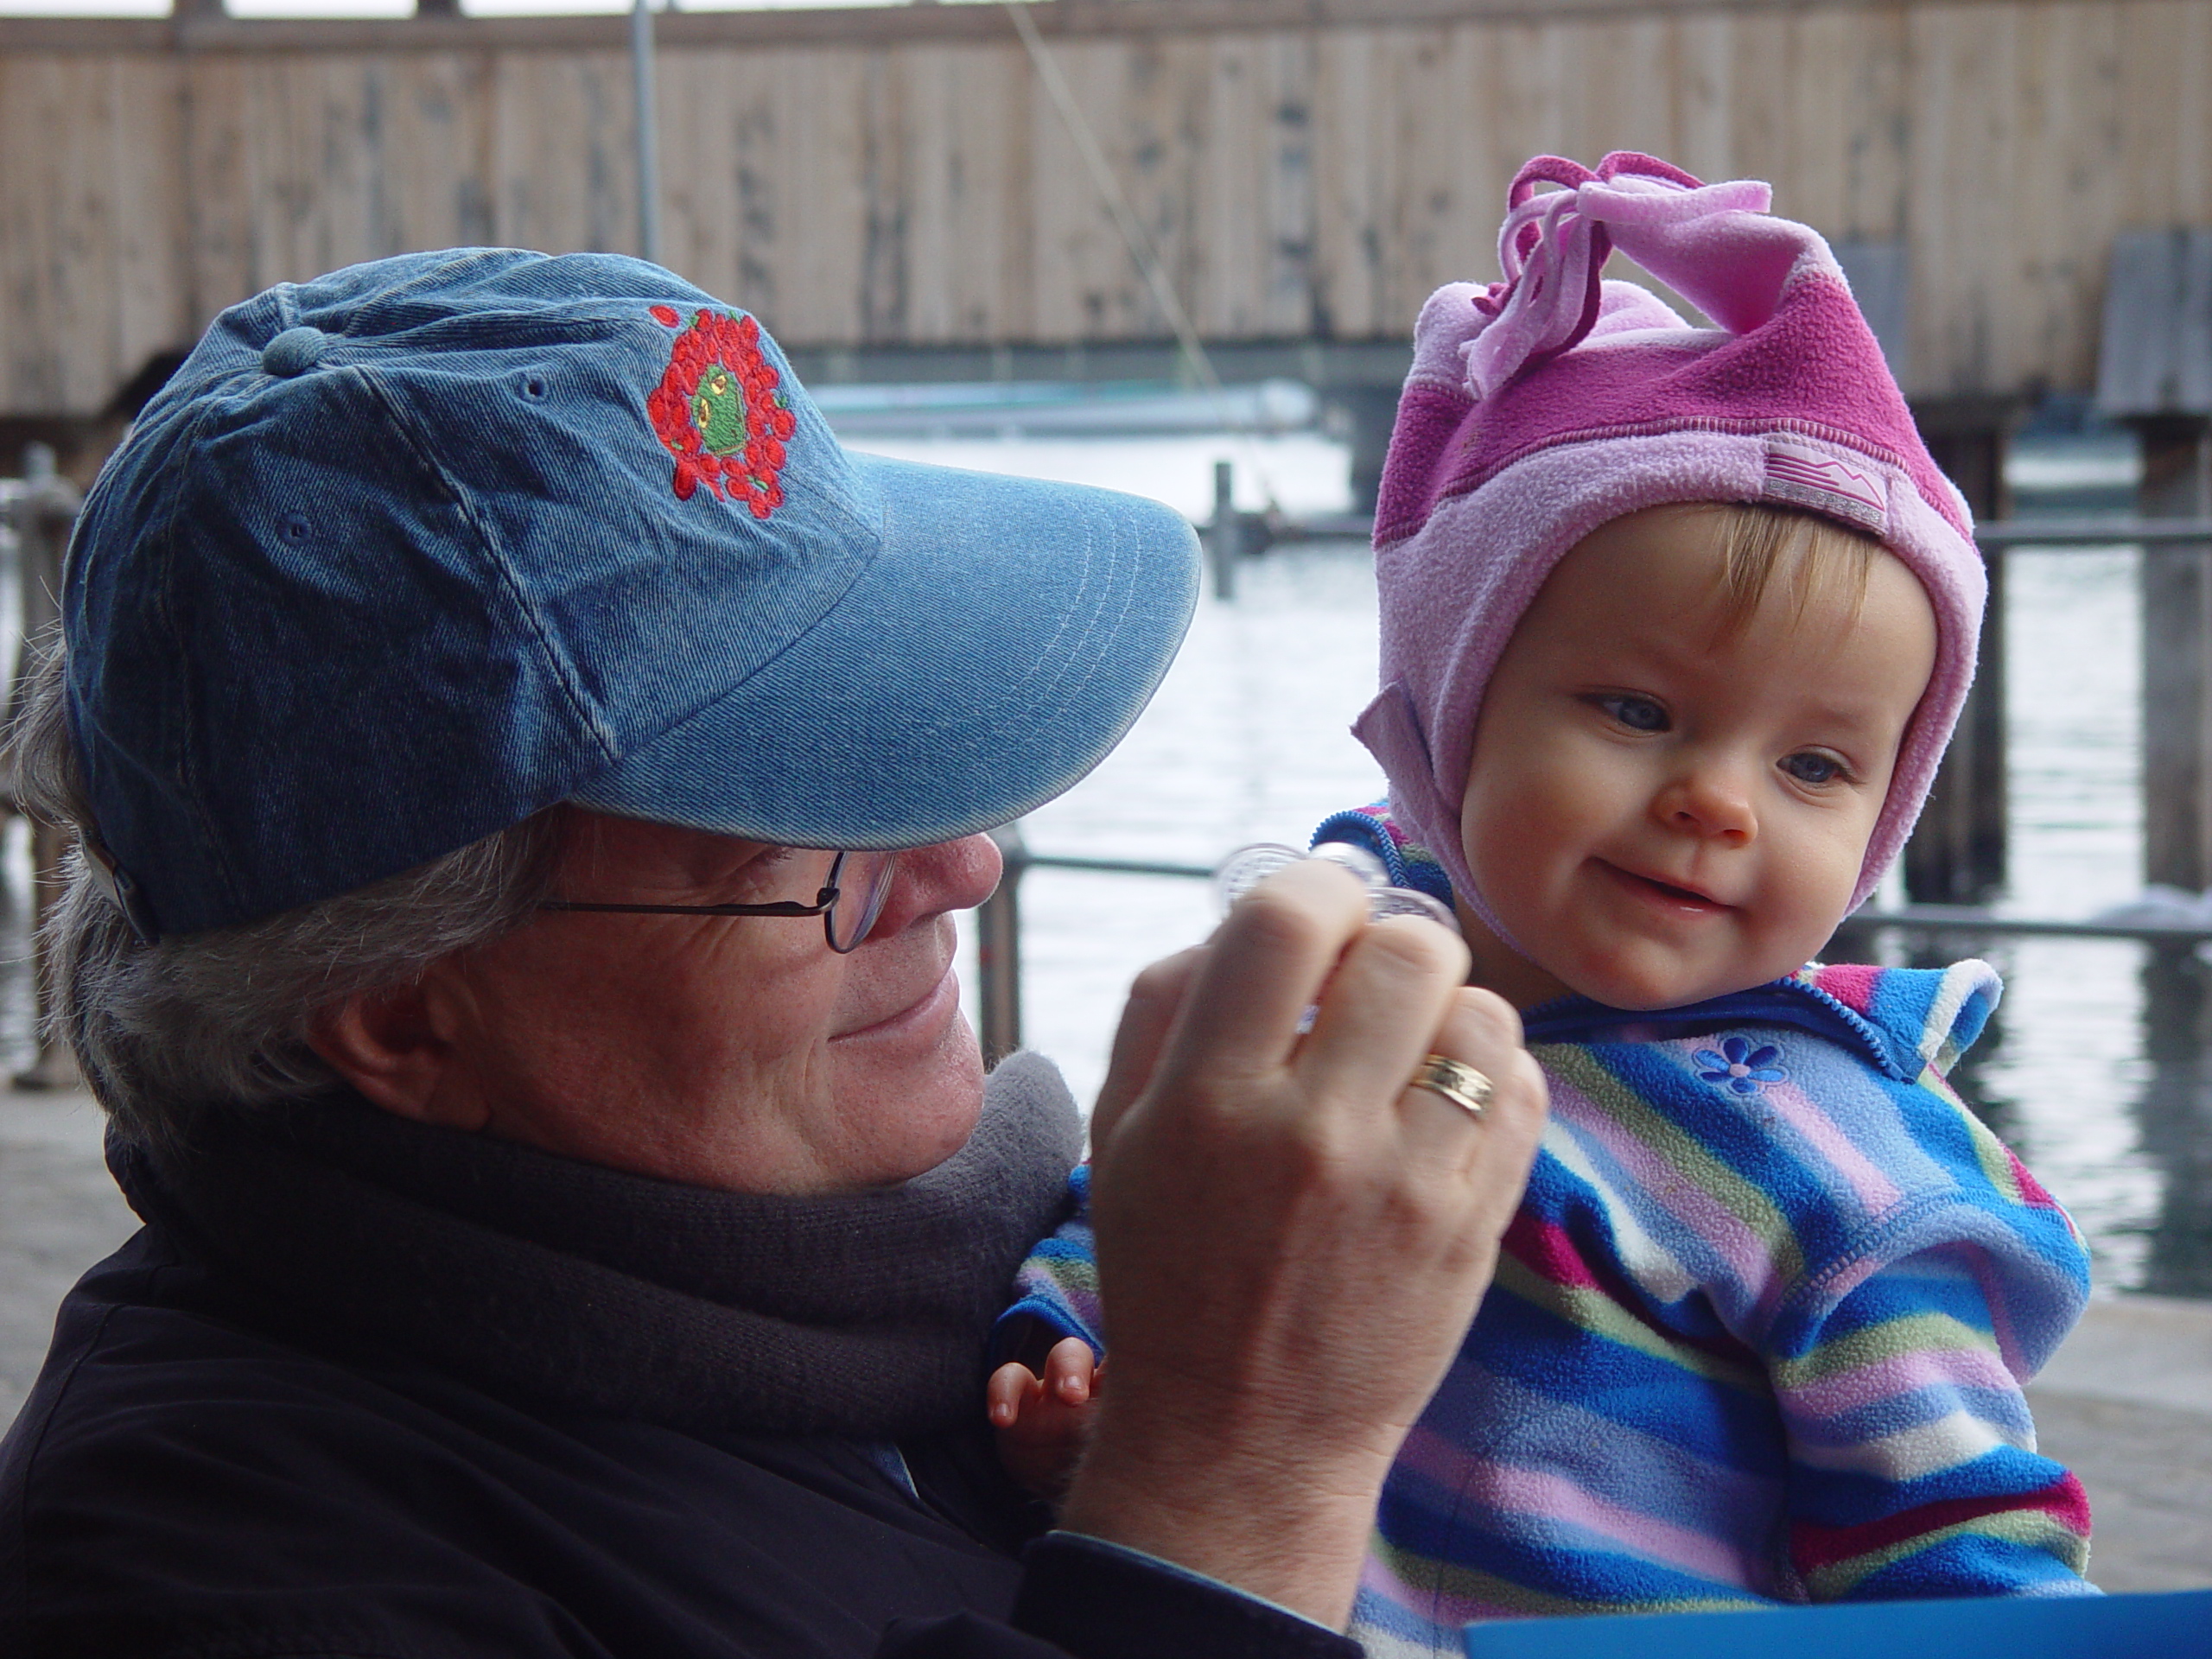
(1738, 1066)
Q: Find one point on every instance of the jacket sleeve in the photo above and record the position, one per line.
(1055, 1288)
(1913, 1468)
(1083, 1598)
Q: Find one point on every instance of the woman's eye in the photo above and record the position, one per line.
(1637, 714)
(768, 872)
(1813, 768)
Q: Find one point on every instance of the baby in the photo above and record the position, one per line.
(1675, 623)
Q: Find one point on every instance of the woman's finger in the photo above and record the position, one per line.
(1381, 1012)
(1147, 1019)
(1479, 1030)
(1266, 966)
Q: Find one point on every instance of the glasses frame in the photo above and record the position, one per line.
(825, 905)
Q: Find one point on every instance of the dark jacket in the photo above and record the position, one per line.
(204, 1469)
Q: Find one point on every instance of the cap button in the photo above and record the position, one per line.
(293, 352)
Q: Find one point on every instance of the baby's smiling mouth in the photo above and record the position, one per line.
(1672, 895)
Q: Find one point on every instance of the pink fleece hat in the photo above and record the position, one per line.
(1551, 402)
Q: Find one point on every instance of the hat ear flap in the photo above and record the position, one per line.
(1391, 727)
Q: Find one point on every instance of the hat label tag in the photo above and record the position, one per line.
(1806, 477)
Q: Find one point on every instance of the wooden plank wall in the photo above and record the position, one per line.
(1301, 179)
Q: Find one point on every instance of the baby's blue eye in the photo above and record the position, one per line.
(1637, 714)
(1813, 768)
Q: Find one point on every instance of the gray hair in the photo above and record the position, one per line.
(163, 1031)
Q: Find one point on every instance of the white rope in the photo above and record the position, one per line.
(1141, 249)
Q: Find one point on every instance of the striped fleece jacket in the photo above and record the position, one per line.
(1758, 1333)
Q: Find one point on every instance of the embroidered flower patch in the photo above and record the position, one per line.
(719, 411)
(1740, 1066)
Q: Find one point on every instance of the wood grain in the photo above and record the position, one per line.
(892, 177)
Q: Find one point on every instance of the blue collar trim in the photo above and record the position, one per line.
(1780, 1002)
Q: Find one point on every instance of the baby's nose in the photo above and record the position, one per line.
(1712, 803)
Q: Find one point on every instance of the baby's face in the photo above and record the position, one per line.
(1660, 811)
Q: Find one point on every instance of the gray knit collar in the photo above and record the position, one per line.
(590, 1288)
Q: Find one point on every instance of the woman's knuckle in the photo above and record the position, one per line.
(1272, 919)
(1493, 1018)
(1407, 947)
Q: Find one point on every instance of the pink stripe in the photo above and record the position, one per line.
(1900, 1374)
(1851, 985)
(1547, 1250)
(1693, 1206)
(1550, 1499)
(1875, 1191)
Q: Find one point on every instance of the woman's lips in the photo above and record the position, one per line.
(935, 1004)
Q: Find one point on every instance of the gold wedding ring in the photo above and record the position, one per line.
(1455, 1081)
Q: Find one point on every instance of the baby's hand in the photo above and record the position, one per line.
(1042, 1420)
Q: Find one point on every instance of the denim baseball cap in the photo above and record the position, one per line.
(402, 555)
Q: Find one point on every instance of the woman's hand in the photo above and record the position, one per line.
(1291, 1241)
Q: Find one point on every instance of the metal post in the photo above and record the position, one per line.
(1225, 537)
(42, 518)
(998, 952)
(641, 71)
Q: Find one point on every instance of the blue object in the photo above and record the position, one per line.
(2176, 1626)
(404, 553)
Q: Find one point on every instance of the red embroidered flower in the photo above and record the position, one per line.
(719, 411)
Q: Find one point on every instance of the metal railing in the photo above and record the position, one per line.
(1232, 536)
(999, 929)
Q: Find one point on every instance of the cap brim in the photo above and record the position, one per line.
(1004, 636)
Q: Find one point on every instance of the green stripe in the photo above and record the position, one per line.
(1426, 1575)
(1594, 1312)
(1864, 1345)
(1575, 1064)
(2028, 1528)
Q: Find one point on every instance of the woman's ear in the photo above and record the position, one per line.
(390, 1046)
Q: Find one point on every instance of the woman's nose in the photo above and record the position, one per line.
(1712, 803)
(930, 880)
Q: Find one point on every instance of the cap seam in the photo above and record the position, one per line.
(164, 540)
(555, 660)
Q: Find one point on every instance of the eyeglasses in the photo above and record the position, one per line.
(848, 901)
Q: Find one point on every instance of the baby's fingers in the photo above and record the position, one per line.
(1068, 1371)
(1012, 1386)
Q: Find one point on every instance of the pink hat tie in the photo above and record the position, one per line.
(1553, 248)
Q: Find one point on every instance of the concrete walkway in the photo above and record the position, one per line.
(60, 1212)
(2128, 1404)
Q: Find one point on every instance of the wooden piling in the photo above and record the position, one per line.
(2154, 371)
(2176, 588)
(1957, 853)
(1367, 414)
(1226, 536)
(42, 518)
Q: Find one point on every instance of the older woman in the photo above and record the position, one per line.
(575, 1205)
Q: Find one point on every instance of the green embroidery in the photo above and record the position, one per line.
(718, 411)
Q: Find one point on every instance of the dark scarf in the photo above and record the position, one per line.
(863, 1314)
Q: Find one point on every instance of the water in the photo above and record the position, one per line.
(2096, 1070)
